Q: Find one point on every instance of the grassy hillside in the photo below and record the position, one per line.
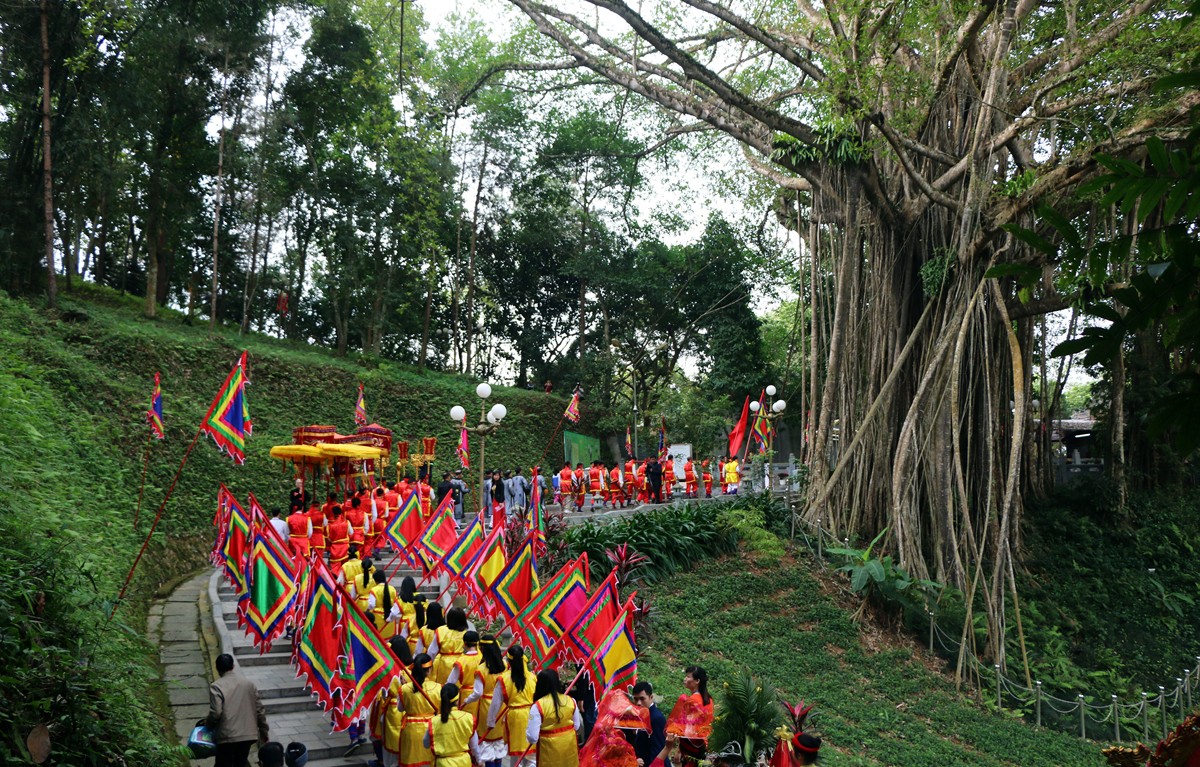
(73, 389)
(877, 703)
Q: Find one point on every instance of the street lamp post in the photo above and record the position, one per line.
(489, 421)
(775, 413)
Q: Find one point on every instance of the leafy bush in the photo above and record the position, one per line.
(671, 538)
(882, 581)
(749, 714)
(748, 520)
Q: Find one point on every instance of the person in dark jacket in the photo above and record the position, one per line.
(654, 480)
(650, 747)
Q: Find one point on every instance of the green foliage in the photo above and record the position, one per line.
(839, 148)
(877, 704)
(671, 538)
(935, 270)
(749, 714)
(880, 579)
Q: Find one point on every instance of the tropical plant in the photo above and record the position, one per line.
(749, 715)
(879, 579)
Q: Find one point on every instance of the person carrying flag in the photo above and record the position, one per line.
(732, 476)
(513, 696)
(414, 702)
(451, 735)
(492, 748)
(554, 723)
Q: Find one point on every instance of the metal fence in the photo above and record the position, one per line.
(1148, 718)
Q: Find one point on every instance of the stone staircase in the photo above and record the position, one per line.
(292, 712)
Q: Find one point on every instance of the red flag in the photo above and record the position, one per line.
(738, 435)
(439, 535)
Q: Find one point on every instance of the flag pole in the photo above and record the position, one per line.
(141, 490)
(162, 506)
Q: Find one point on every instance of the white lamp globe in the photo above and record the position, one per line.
(779, 406)
(499, 411)
(457, 413)
(771, 391)
(483, 390)
(754, 407)
(491, 418)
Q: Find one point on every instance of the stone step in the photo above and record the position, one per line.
(269, 659)
(283, 705)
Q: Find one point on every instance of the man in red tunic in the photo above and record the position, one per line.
(566, 486)
(616, 496)
(596, 482)
(299, 532)
(356, 517)
(668, 478)
(423, 491)
(337, 534)
(707, 479)
(579, 480)
(689, 478)
(316, 518)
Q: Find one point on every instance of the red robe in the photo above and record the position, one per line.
(615, 494)
(337, 533)
(298, 540)
(317, 517)
(595, 480)
(668, 478)
(689, 478)
(358, 521)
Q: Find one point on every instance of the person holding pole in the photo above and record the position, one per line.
(414, 702)
(511, 702)
(492, 748)
(451, 734)
(554, 723)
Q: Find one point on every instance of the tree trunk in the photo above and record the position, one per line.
(260, 192)
(216, 262)
(47, 176)
(470, 320)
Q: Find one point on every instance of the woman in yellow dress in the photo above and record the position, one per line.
(462, 673)
(416, 620)
(359, 585)
(554, 722)
(448, 643)
(408, 592)
(384, 605)
(492, 748)
(387, 719)
(451, 735)
(510, 704)
(419, 703)
(427, 637)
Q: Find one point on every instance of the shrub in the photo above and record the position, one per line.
(749, 715)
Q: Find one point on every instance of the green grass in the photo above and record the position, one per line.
(872, 707)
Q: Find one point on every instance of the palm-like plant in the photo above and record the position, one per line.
(749, 715)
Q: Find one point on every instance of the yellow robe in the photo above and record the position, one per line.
(516, 716)
(387, 629)
(490, 681)
(557, 745)
(451, 740)
(418, 712)
(393, 717)
(467, 664)
(450, 648)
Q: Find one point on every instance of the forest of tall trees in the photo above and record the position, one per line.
(924, 182)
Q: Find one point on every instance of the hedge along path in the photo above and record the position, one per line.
(873, 708)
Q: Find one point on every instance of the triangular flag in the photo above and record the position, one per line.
(517, 582)
(614, 661)
(579, 639)
(554, 607)
(155, 413)
(271, 574)
(405, 526)
(360, 408)
(320, 644)
(369, 659)
(463, 552)
(236, 547)
(228, 418)
(738, 435)
(439, 535)
(483, 570)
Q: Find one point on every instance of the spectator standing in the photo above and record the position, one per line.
(235, 714)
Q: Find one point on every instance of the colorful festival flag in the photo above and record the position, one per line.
(236, 547)
(228, 418)
(221, 522)
(614, 661)
(554, 607)
(517, 582)
(628, 442)
(663, 448)
(321, 644)
(406, 525)
(360, 408)
(369, 660)
(483, 570)
(271, 576)
(463, 446)
(572, 411)
(155, 413)
(537, 516)
(463, 552)
(580, 637)
(761, 431)
(439, 536)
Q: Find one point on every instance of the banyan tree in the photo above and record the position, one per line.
(910, 139)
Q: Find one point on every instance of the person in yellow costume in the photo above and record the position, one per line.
(492, 748)
(427, 637)
(732, 476)
(386, 718)
(462, 673)
(415, 621)
(352, 568)
(361, 585)
(451, 734)
(384, 604)
(554, 722)
(408, 593)
(448, 646)
(510, 704)
(416, 700)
